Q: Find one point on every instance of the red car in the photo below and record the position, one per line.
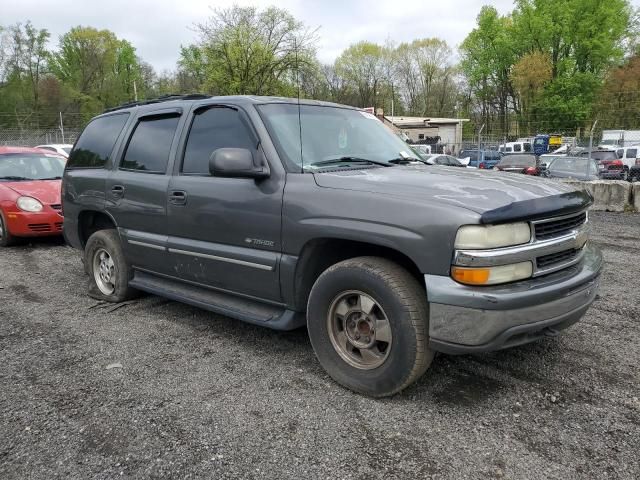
(29, 193)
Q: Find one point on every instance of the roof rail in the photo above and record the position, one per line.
(163, 98)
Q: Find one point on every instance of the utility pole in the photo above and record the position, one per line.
(61, 127)
(591, 147)
(480, 143)
(392, 99)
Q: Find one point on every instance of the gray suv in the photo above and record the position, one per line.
(282, 214)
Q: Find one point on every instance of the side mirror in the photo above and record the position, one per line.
(235, 163)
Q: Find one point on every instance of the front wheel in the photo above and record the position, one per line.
(6, 239)
(109, 273)
(367, 321)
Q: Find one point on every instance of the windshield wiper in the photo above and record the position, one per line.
(11, 177)
(348, 159)
(52, 178)
(406, 160)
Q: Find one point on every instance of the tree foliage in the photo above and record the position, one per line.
(245, 50)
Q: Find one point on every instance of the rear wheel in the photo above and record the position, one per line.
(625, 174)
(109, 273)
(367, 321)
(6, 239)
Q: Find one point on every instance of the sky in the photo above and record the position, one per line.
(157, 28)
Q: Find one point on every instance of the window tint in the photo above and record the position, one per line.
(94, 146)
(148, 148)
(527, 147)
(214, 128)
(517, 147)
(632, 152)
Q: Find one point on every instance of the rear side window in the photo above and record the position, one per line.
(217, 127)
(517, 147)
(94, 146)
(148, 148)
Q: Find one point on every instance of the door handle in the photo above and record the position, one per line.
(178, 197)
(117, 191)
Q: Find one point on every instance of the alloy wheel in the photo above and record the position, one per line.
(104, 271)
(359, 330)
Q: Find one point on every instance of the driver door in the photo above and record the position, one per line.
(224, 233)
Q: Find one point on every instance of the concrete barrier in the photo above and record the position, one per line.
(611, 195)
(635, 194)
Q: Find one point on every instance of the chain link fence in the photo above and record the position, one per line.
(32, 137)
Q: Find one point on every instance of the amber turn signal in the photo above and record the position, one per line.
(471, 276)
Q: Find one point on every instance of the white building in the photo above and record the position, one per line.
(420, 128)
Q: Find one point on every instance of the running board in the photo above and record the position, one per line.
(245, 309)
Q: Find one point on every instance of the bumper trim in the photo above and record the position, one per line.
(514, 336)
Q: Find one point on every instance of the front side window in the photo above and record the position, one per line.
(93, 148)
(149, 145)
(309, 137)
(211, 129)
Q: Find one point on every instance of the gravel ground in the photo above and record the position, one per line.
(160, 389)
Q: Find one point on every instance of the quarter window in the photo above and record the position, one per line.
(93, 148)
(148, 148)
(214, 128)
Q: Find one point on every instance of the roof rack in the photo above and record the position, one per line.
(163, 98)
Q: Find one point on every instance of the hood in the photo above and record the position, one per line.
(495, 196)
(47, 191)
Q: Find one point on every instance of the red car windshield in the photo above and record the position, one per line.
(30, 166)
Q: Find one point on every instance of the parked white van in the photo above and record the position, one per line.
(515, 147)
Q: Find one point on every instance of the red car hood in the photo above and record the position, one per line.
(47, 191)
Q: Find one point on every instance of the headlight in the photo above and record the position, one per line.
(475, 237)
(492, 275)
(29, 204)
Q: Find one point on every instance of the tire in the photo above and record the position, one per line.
(6, 239)
(109, 273)
(625, 174)
(399, 354)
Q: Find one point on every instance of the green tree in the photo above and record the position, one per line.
(98, 68)
(426, 75)
(363, 66)
(243, 50)
(488, 54)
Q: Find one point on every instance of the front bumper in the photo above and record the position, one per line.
(34, 224)
(465, 319)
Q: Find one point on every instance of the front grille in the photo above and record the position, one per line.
(557, 228)
(556, 258)
(39, 227)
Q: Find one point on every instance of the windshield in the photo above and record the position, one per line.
(573, 164)
(330, 133)
(519, 160)
(30, 166)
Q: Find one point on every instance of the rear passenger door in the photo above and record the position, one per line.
(224, 233)
(136, 190)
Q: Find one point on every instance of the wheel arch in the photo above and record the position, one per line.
(320, 253)
(91, 221)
